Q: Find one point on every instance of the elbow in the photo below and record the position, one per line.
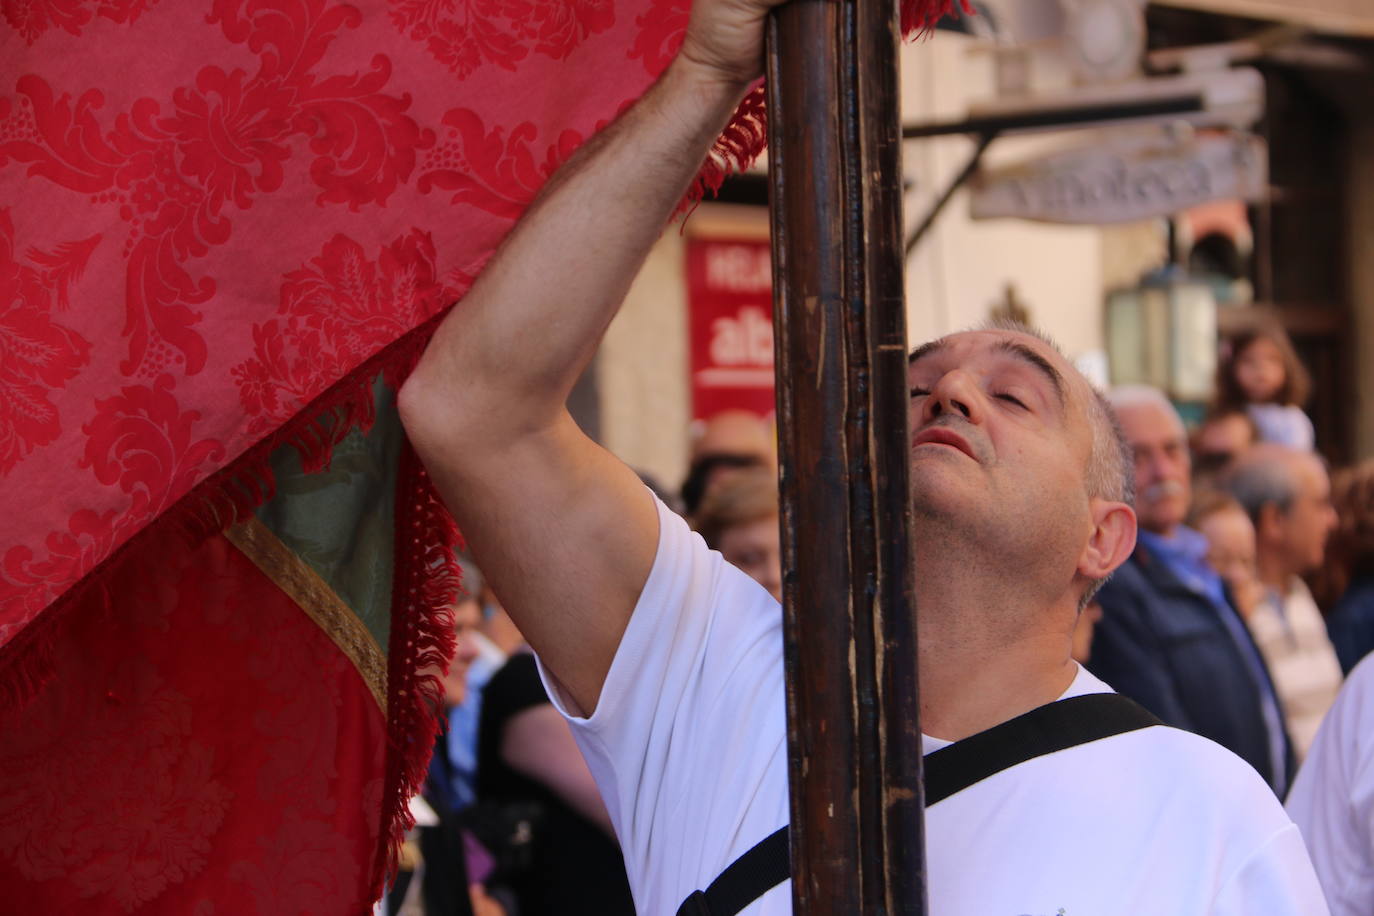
(429, 413)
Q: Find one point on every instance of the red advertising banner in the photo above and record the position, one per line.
(730, 307)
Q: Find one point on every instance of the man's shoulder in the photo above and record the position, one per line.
(1166, 765)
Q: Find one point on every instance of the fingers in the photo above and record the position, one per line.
(725, 38)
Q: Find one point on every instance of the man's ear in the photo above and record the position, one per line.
(1269, 523)
(1112, 540)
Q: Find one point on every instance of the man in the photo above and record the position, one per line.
(1333, 797)
(1170, 637)
(669, 661)
(1222, 437)
(739, 517)
(1287, 495)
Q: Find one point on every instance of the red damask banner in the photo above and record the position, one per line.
(220, 222)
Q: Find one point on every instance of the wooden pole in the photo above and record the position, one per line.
(840, 320)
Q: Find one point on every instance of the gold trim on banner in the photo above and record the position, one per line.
(314, 596)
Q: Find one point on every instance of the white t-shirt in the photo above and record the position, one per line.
(688, 747)
(1333, 797)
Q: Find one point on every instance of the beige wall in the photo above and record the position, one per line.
(962, 268)
(642, 369)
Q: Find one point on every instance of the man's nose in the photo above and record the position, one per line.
(954, 393)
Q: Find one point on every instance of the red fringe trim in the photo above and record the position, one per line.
(920, 16)
(746, 136)
(425, 584)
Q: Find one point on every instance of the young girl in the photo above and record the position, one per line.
(1261, 374)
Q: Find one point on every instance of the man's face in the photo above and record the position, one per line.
(754, 548)
(999, 432)
(1161, 465)
(1230, 545)
(1310, 518)
(467, 615)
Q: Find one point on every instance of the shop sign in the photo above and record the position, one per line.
(1124, 182)
(730, 304)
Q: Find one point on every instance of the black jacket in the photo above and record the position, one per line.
(1165, 646)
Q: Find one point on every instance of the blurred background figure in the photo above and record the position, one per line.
(1083, 632)
(1221, 438)
(1287, 494)
(1230, 546)
(1169, 637)
(731, 440)
(453, 767)
(1350, 565)
(1333, 798)
(528, 763)
(1260, 373)
(739, 517)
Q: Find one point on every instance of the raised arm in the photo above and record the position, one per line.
(565, 532)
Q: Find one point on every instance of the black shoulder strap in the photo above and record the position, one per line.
(1053, 727)
(1044, 730)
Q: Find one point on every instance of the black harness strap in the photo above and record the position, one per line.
(1053, 727)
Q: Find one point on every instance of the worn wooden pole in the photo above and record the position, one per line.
(853, 725)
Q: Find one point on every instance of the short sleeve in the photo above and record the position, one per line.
(1277, 878)
(688, 740)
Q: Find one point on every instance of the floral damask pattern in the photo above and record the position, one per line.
(334, 310)
(139, 441)
(464, 35)
(496, 170)
(203, 740)
(662, 27)
(31, 18)
(173, 178)
(105, 789)
(37, 354)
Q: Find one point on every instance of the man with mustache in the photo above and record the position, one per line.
(668, 661)
(1170, 637)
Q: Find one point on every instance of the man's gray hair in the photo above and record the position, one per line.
(1124, 397)
(1264, 475)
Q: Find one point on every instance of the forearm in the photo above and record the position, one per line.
(566, 533)
(529, 326)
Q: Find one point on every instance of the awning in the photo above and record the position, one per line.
(1338, 17)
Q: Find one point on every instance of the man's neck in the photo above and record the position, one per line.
(1273, 573)
(974, 675)
(1166, 532)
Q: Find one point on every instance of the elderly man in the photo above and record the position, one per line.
(1170, 637)
(668, 661)
(1287, 495)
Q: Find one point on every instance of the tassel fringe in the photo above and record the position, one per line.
(424, 588)
(746, 136)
